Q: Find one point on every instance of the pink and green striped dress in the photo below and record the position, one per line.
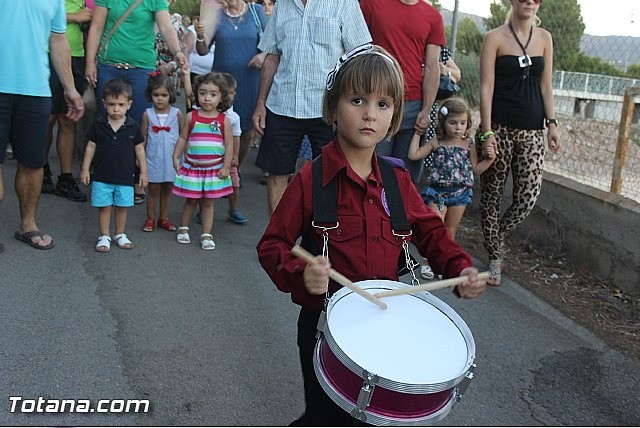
(198, 175)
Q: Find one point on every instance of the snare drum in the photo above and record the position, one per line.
(406, 365)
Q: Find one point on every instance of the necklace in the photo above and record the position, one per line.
(524, 60)
(235, 20)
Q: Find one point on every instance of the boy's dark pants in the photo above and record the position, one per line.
(320, 409)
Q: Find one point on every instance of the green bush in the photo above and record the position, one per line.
(470, 82)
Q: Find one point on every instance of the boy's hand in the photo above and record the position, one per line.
(85, 177)
(316, 276)
(473, 287)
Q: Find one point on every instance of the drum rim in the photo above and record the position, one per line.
(375, 418)
(389, 383)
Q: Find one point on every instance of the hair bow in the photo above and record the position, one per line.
(444, 111)
(154, 73)
(157, 129)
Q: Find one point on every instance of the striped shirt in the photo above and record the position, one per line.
(206, 141)
(309, 41)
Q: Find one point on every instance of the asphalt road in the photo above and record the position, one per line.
(208, 340)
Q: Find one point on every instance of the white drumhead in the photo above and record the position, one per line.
(410, 342)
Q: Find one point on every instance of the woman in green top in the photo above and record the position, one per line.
(129, 53)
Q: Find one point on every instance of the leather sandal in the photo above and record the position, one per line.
(122, 241)
(206, 242)
(183, 237)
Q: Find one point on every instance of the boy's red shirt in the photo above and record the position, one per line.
(363, 246)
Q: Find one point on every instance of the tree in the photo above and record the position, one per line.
(469, 37)
(562, 18)
(185, 7)
(633, 71)
(498, 14)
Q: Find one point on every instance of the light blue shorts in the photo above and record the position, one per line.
(106, 195)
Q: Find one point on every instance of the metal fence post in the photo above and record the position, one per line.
(624, 134)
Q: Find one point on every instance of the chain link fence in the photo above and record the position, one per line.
(601, 138)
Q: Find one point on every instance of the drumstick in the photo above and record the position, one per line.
(298, 251)
(437, 285)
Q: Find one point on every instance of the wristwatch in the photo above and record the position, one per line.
(550, 121)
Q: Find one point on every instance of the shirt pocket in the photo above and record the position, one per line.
(349, 228)
(325, 31)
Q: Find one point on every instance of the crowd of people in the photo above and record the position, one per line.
(356, 80)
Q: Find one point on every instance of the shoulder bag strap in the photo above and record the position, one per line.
(124, 16)
(256, 18)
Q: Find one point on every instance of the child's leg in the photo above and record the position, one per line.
(187, 211)
(120, 219)
(233, 199)
(104, 219)
(152, 200)
(206, 204)
(436, 209)
(165, 196)
(453, 217)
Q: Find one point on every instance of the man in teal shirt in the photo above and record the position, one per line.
(30, 30)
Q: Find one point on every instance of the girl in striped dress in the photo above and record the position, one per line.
(207, 146)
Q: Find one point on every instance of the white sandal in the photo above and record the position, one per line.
(183, 238)
(123, 242)
(206, 242)
(104, 241)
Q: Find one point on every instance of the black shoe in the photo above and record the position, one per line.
(68, 187)
(47, 181)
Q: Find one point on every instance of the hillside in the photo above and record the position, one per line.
(619, 50)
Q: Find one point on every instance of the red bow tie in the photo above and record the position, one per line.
(157, 129)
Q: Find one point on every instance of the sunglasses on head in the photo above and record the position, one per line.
(535, 1)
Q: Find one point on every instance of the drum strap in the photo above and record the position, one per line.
(325, 202)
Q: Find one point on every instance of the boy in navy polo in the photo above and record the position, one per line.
(115, 144)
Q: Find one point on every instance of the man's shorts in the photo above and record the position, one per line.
(24, 122)
(447, 196)
(59, 104)
(106, 195)
(278, 152)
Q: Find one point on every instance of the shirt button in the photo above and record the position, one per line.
(296, 267)
(370, 201)
(339, 232)
(376, 238)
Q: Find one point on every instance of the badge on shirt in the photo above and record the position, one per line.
(215, 126)
(385, 204)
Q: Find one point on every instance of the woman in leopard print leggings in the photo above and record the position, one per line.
(516, 99)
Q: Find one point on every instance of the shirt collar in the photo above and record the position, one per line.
(334, 161)
(105, 120)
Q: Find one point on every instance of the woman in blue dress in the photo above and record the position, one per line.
(236, 38)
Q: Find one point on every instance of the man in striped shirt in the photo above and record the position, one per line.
(303, 40)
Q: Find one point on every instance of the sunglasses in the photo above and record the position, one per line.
(535, 1)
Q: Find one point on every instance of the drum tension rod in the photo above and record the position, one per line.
(364, 397)
(464, 384)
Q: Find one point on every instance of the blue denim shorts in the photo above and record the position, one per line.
(106, 195)
(447, 196)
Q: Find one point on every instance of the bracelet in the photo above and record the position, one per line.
(487, 135)
(200, 40)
